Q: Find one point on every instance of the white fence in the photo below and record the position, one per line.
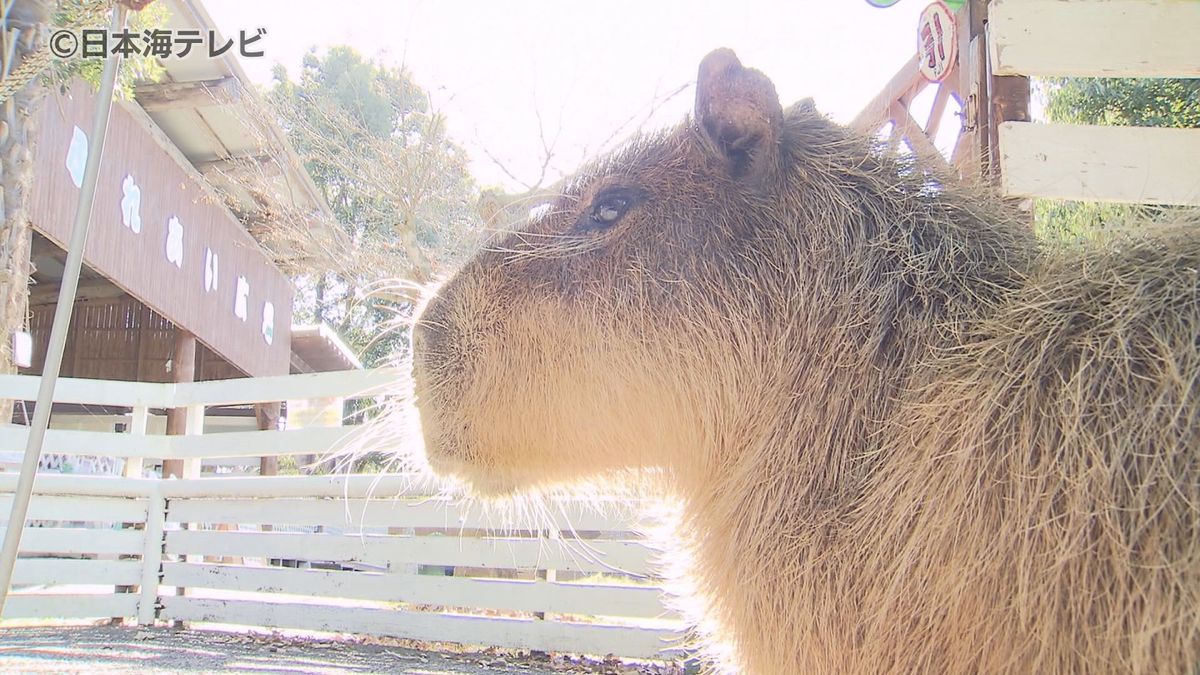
(1097, 38)
(368, 554)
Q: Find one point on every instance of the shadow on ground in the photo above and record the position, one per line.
(111, 649)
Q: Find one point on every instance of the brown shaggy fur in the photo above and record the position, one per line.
(905, 437)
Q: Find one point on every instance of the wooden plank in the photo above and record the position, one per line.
(878, 110)
(196, 94)
(96, 486)
(67, 571)
(233, 444)
(937, 110)
(54, 606)
(334, 485)
(77, 541)
(1109, 164)
(599, 639)
(918, 142)
(244, 167)
(89, 290)
(394, 551)
(101, 443)
(97, 392)
(83, 509)
(381, 512)
(267, 443)
(1097, 38)
(524, 596)
(348, 384)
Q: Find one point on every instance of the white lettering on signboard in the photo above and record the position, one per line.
(175, 242)
(240, 297)
(131, 204)
(77, 156)
(211, 269)
(268, 322)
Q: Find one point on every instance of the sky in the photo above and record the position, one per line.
(517, 78)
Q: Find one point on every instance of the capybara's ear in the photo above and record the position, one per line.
(739, 114)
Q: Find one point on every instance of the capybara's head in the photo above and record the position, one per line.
(609, 330)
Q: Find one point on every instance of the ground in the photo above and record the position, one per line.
(114, 649)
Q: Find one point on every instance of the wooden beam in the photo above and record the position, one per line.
(1140, 165)
(917, 140)
(200, 126)
(249, 165)
(1113, 38)
(877, 112)
(299, 365)
(198, 94)
(168, 146)
(89, 289)
(895, 136)
(938, 110)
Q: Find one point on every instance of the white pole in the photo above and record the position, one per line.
(62, 317)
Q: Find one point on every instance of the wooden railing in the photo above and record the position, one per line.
(1114, 38)
(1001, 44)
(893, 106)
(370, 554)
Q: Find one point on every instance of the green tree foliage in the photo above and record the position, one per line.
(1124, 101)
(78, 15)
(398, 187)
(1146, 102)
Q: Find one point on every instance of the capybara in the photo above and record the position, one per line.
(905, 434)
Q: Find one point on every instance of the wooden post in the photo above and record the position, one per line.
(142, 313)
(972, 86)
(988, 99)
(267, 416)
(181, 421)
(1010, 103)
(183, 370)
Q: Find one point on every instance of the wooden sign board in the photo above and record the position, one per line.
(161, 236)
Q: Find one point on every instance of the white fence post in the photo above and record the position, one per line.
(547, 574)
(156, 514)
(194, 426)
(140, 417)
(134, 466)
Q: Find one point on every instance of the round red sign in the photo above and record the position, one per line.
(937, 41)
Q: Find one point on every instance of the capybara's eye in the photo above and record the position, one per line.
(608, 208)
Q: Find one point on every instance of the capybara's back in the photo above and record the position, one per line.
(906, 437)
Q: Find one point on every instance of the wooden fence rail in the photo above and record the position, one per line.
(372, 554)
(1097, 38)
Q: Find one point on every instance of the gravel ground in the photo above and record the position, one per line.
(109, 649)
